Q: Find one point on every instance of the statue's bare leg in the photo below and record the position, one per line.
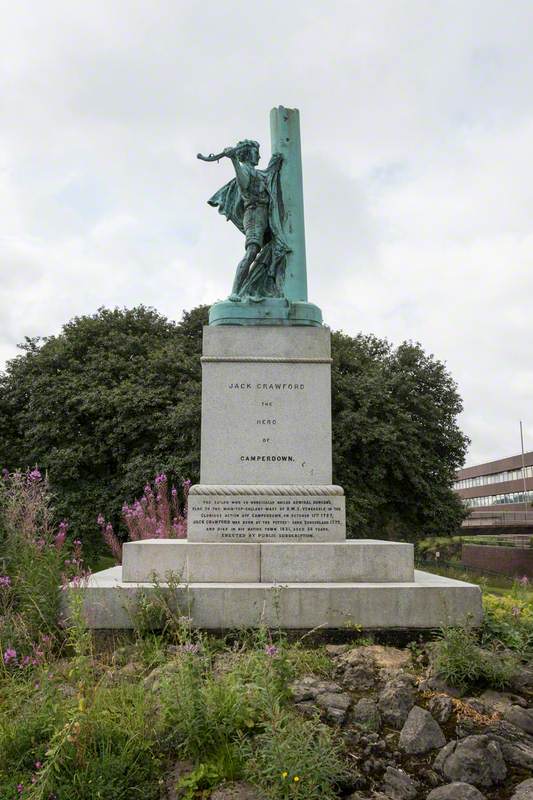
(242, 270)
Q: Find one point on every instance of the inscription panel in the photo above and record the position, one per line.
(266, 518)
(266, 423)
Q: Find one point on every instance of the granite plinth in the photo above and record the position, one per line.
(430, 601)
(365, 561)
(190, 561)
(266, 405)
(266, 514)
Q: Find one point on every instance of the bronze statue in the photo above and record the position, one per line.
(253, 202)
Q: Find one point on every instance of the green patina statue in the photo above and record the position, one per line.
(253, 202)
(270, 286)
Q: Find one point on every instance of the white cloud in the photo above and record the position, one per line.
(417, 121)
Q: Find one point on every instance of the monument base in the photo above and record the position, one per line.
(355, 560)
(428, 601)
(265, 311)
(365, 582)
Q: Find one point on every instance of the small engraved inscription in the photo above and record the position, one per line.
(263, 518)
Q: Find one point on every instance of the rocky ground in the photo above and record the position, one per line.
(410, 736)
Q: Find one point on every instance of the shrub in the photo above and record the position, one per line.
(508, 619)
(447, 547)
(294, 757)
(460, 660)
(154, 516)
(205, 712)
(38, 560)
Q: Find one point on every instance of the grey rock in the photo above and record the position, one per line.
(312, 695)
(330, 700)
(307, 709)
(521, 717)
(335, 715)
(328, 686)
(357, 670)
(456, 791)
(516, 745)
(366, 713)
(396, 700)
(441, 707)
(437, 684)
(421, 733)
(398, 785)
(335, 650)
(476, 704)
(476, 759)
(517, 753)
(500, 701)
(429, 776)
(522, 681)
(238, 790)
(524, 790)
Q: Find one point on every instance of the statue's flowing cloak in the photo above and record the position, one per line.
(267, 274)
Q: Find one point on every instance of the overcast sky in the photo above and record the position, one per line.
(417, 138)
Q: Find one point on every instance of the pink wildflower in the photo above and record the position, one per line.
(189, 648)
(34, 475)
(61, 535)
(271, 650)
(5, 580)
(524, 581)
(10, 655)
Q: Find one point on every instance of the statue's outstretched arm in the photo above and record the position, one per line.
(243, 178)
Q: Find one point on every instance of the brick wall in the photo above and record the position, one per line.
(514, 561)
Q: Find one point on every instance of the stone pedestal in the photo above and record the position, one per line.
(266, 526)
(266, 438)
(266, 406)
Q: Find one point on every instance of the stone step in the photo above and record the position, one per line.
(355, 560)
(430, 601)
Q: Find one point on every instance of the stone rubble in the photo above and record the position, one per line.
(390, 721)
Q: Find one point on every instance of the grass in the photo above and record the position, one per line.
(492, 584)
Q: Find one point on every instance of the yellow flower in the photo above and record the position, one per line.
(296, 779)
(284, 774)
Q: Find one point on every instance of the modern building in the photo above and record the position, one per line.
(499, 495)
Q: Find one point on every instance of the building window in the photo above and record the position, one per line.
(498, 499)
(495, 477)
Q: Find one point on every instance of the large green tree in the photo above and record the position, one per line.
(115, 398)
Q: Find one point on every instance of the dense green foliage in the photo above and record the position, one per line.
(396, 442)
(103, 407)
(115, 398)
